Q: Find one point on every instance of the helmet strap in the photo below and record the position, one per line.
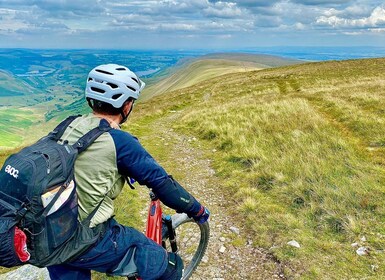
(125, 117)
(90, 103)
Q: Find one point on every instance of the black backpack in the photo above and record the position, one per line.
(38, 197)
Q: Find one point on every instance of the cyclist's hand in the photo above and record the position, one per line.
(202, 216)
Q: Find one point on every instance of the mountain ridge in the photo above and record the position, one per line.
(194, 70)
(51, 92)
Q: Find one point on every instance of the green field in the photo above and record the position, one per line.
(14, 124)
(29, 107)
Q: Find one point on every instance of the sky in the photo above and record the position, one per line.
(190, 24)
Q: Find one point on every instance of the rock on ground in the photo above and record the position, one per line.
(26, 272)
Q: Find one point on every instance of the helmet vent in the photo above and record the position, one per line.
(131, 88)
(121, 69)
(112, 85)
(98, 90)
(135, 80)
(104, 72)
(116, 96)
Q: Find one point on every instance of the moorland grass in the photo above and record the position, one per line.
(300, 149)
(197, 72)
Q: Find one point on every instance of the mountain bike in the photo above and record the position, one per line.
(177, 233)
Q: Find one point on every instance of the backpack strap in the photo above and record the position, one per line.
(59, 130)
(81, 145)
(87, 139)
(87, 221)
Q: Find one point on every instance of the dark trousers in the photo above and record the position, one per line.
(150, 259)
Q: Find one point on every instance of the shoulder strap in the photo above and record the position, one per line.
(59, 130)
(87, 221)
(87, 139)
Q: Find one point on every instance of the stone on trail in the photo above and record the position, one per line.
(294, 243)
(222, 249)
(362, 251)
(26, 272)
(235, 230)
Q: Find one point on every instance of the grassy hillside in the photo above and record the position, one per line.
(194, 71)
(30, 103)
(49, 93)
(300, 150)
(10, 86)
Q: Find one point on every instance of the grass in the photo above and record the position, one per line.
(11, 86)
(300, 149)
(197, 72)
(13, 125)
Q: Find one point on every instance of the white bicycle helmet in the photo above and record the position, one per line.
(113, 84)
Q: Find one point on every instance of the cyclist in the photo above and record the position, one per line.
(100, 172)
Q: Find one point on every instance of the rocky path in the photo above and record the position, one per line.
(231, 254)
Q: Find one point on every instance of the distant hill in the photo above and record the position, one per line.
(265, 61)
(193, 71)
(49, 85)
(12, 86)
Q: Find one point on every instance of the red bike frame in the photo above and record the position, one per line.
(154, 221)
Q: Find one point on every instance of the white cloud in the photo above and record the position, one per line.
(150, 20)
(321, 2)
(223, 10)
(225, 36)
(375, 19)
(377, 30)
(176, 27)
(299, 26)
(249, 3)
(8, 22)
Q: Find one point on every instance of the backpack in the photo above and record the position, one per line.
(38, 201)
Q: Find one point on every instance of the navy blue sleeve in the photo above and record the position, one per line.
(135, 162)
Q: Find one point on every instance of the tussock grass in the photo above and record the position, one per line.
(301, 149)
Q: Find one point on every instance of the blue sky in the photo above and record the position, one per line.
(190, 24)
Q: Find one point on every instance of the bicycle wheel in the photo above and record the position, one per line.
(192, 240)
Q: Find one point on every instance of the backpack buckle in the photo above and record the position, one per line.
(21, 212)
(79, 144)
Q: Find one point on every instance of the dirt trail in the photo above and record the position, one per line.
(224, 258)
(230, 254)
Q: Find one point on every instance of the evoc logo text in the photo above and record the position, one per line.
(12, 171)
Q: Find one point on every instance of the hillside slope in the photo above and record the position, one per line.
(42, 95)
(299, 153)
(11, 87)
(194, 71)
